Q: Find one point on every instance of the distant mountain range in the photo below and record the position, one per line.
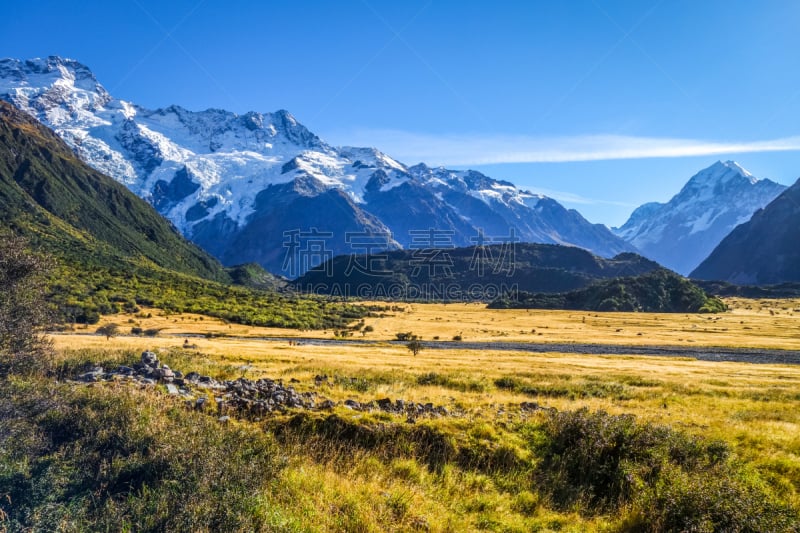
(764, 250)
(681, 233)
(262, 188)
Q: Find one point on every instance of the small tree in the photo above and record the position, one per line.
(23, 308)
(415, 346)
(109, 330)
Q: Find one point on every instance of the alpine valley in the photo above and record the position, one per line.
(261, 187)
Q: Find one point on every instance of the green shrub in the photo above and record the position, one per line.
(506, 383)
(720, 499)
(468, 385)
(668, 480)
(597, 460)
(111, 460)
(23, 308)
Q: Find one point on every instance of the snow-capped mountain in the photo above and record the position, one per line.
(763, 250)
(261, 187)
(681, 233)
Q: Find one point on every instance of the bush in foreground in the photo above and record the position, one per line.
(115, 460)
(666, 480)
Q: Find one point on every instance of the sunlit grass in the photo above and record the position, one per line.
(330, 483)
(749, 323)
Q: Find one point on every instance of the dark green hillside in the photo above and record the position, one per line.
(725, 289)
(253, 275)
(473, 273)
(114, 252)
(70, 210)
(660, 291)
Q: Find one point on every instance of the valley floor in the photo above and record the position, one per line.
(339, 475)
(748, 324)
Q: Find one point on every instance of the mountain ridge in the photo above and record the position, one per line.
(762, 251)
(205, 171)
(476, 273)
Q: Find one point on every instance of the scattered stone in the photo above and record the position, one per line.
(385, 404)
(95, 374)
(327, 404)
(224, 419)
(165, 373)
(172, 389)
(533, 406)
(149, 359)
(352, 404)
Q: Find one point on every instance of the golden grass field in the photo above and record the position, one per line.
(753, 407)
(716, 397)
(749, 323)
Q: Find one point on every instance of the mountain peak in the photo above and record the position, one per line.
(54, 66)
(682, 232)
(720, 172)
(47, 87)
(762, 250)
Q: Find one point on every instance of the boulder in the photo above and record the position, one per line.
(149, 359)
(352, 404)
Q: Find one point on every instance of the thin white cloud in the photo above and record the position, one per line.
(459, 150)
(572, 198)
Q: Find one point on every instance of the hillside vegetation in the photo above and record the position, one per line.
(473, 273)
(384, 440)
(661, 291)
(540, 443)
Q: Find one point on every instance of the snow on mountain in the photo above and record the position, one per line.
(681, 233)
(239, 184)
(763, 250)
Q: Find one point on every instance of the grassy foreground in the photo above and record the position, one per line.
(712, 446)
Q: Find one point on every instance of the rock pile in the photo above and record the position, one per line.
(245, 398)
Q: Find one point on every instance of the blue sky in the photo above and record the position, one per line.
(602, 104)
